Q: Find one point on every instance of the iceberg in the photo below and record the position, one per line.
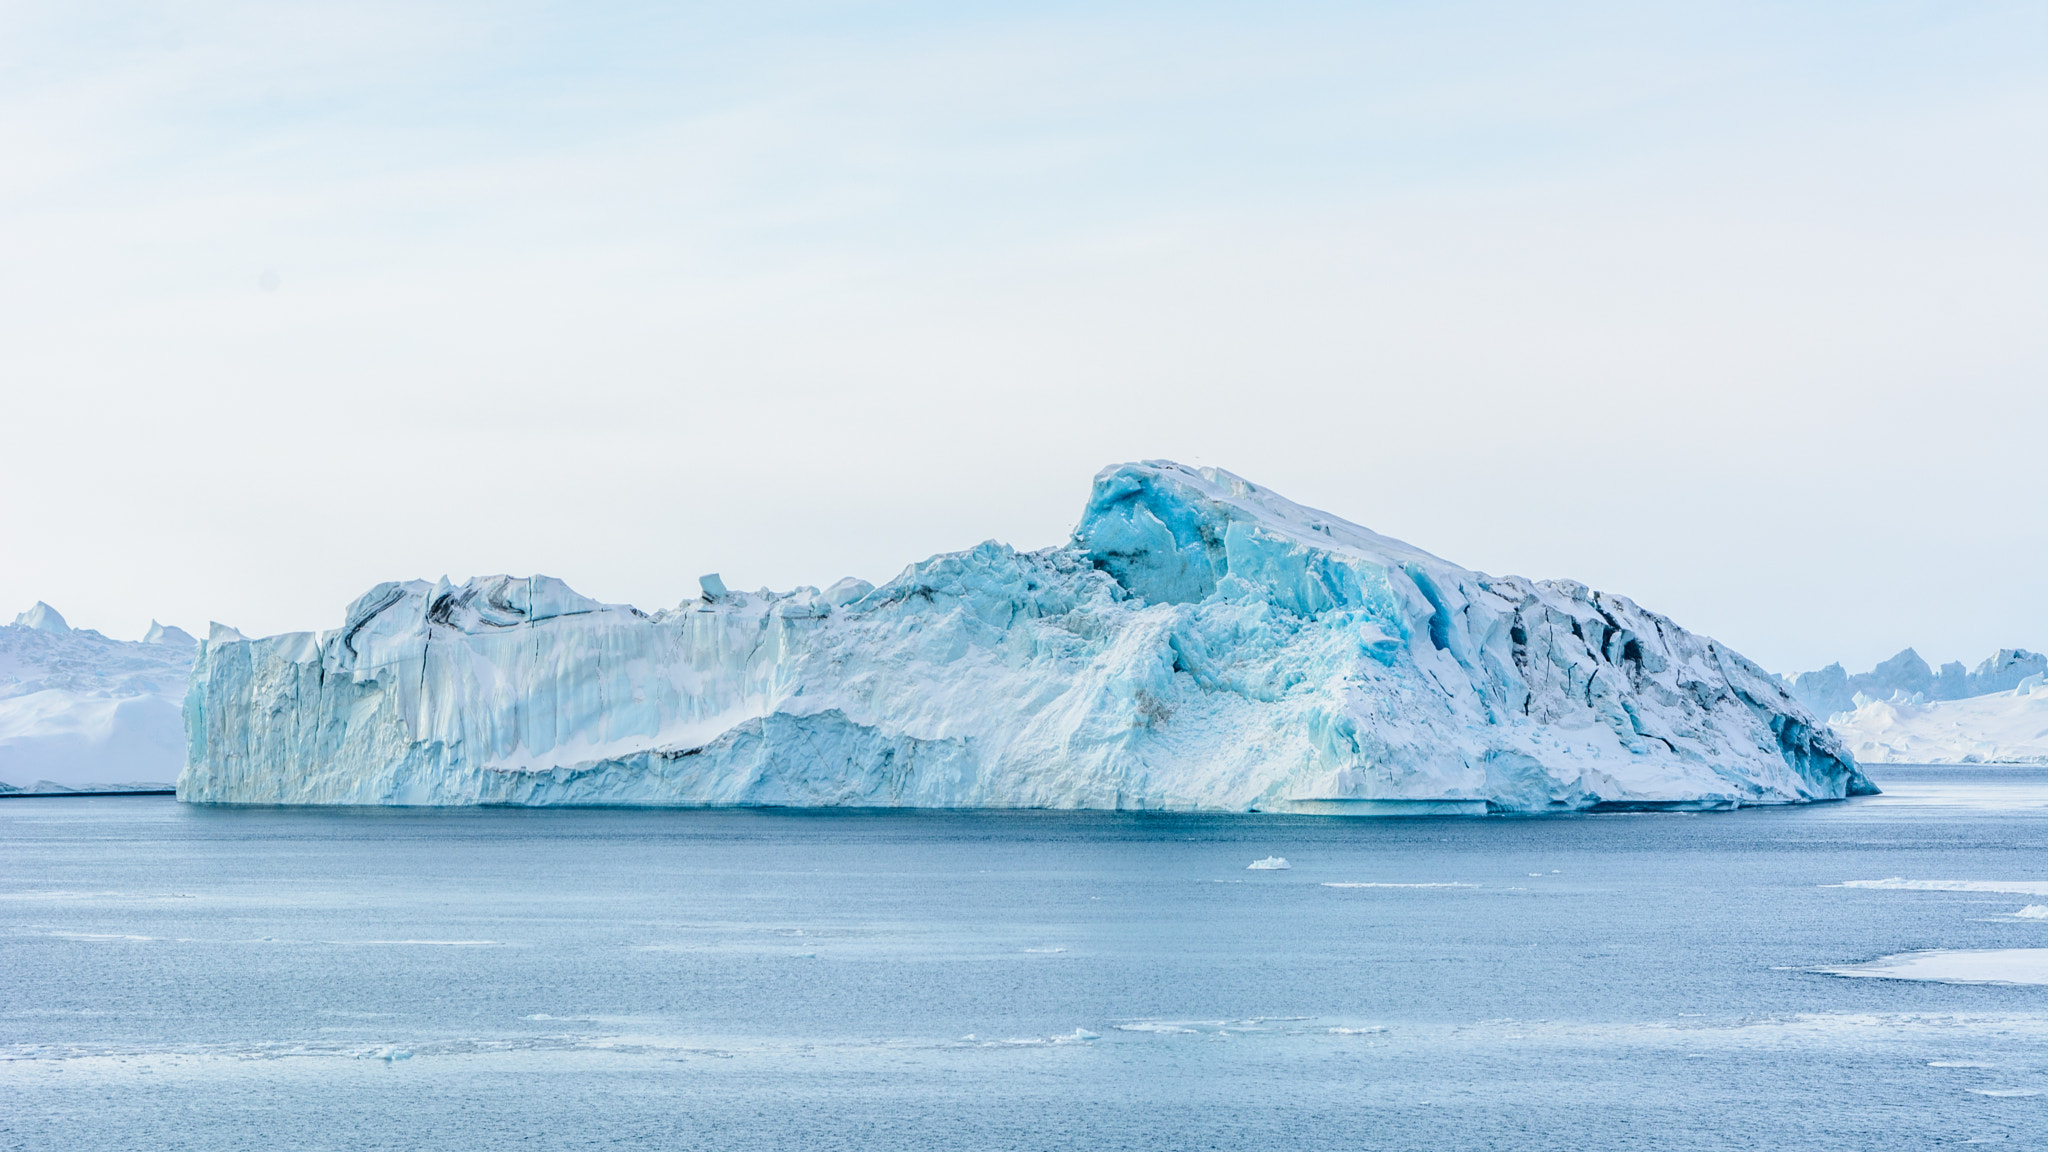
(83, 711)
(1199, 643)
(1907, 677)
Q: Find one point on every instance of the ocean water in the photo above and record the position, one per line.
(190, 978)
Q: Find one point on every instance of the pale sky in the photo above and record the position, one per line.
(1741, 311)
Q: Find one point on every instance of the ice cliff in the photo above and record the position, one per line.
(1200, 643)
(82, 710)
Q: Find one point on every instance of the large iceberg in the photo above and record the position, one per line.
(83, 710)
(1200, 643)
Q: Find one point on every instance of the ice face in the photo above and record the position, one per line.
(1200, 643)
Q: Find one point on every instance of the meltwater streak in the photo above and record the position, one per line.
(186, 978)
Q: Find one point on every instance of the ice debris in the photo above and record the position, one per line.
(1199, 643)
(1270, 863)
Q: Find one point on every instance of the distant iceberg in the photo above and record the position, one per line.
(1200, 643)
(1907, 677)
(79, 710)
(1999, 728)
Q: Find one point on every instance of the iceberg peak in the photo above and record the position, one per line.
(42, 618)
(169, 634)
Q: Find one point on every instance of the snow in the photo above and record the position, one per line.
(2001, 728)
(81, 710)
(1269, 864)
(1985, 966)
(1200, 643)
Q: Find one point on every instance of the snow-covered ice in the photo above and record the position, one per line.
(82, 710)
(1981, 966)
(1200, 643)
(2001, 728)
(1269, 864)
(2033, 912)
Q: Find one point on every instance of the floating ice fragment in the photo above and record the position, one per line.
(1898, 883)
(1356, 1031)
(1378, 884)
(1270, 863)
(1045, 951)
(1983, 966)
(2033, 912)
(2005, 1092)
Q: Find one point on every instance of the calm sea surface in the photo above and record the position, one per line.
(185, 978)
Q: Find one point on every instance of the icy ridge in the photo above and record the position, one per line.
(1200, 643)
(1907, 677)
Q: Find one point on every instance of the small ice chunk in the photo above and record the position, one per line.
(1270, 863)
(712, 585)
(2033, 912)
(1956, 966)
(1356, 1031)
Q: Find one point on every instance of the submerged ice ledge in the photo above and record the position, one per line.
(1200, 643)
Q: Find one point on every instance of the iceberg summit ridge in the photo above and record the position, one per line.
(1200, 643)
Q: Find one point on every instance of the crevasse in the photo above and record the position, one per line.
(1200, 643)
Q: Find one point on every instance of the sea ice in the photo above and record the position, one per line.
(2033, 912)
(1200, 643)
(1270, 863)
(1896, 883)
(1985, 966)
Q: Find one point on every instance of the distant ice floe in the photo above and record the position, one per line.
(1378, 884)
(1897, 883)
(1943, 966)
(1270, 863)
(1357, 1031)
(2033, 912)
